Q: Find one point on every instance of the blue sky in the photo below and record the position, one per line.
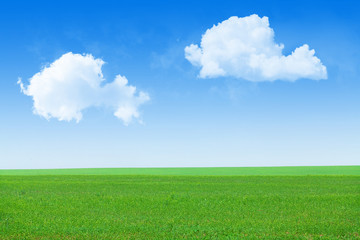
(189, 120)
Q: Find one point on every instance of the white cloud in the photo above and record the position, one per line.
(75, 82)
(245, 48)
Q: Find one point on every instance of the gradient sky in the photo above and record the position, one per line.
(189, 121)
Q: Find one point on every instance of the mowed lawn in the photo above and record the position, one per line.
(176, 207)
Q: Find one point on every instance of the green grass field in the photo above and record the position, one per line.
(215, 171)
(269, 203)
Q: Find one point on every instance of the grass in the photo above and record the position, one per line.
(215, 171)
(176, 207)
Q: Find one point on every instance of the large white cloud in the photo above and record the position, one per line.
(245, 48)
(75, 82)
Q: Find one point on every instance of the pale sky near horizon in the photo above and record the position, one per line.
(179, 83)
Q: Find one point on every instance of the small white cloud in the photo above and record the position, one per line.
(245, 48)
(73, 83)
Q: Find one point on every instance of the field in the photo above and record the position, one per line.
(194, 203)
(214, 171)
